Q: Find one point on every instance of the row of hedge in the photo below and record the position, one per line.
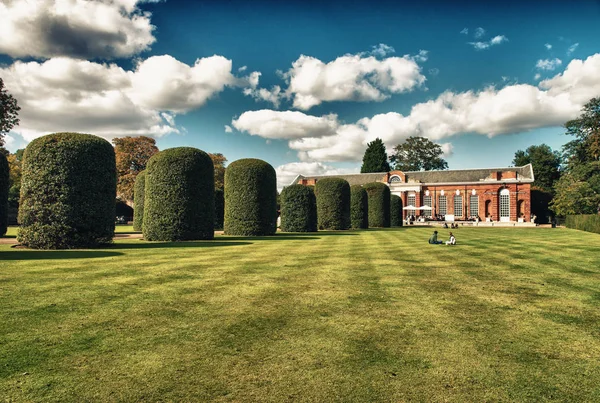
(4, 180)
(584, 222)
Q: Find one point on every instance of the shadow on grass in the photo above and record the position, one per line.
(55, 254)
(183, 244)
(8, 236)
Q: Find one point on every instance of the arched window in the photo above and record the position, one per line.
(395, 179)
(504, 205)
(411, 200)
(442, 206)
(458, 206)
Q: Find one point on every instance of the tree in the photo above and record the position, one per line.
(586, 128)
(546, 164)
(418, 154)
(132, 155)
(219, 161)
(9, 112)
(375, 158)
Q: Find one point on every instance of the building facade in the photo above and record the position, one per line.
(492, 194)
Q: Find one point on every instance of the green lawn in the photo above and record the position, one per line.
(379, 315)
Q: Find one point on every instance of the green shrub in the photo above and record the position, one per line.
(359, 207)
(333, 203)
(298, 209)
(179, 196)
(138, 201)
(396, 211)
(379, 204)
(584, 222)
(219, 208)
(250, 198)
(68, 190)
(3, 194)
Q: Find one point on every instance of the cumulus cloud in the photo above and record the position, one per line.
(548, 64)
(496, 40)
(493, 111)
(76, 28)
(537, 76)
(382, 50)
(272, 96)
(64, 94)
(288, 172)
(228, 129)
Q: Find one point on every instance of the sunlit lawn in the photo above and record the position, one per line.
(379, 315)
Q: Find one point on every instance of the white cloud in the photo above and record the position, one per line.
(242, 69)
(496, 40)
(422, 56)
(64, 94)
(548, 46)
(351, 78)
(548, 64)
(382, 50)
(572, 49)
(493, 111)
(537, 76)
(273, 96)
(447, 149)
(75, 28)
(288, 172)
(479, 32)
(228, 129)
(465, 31)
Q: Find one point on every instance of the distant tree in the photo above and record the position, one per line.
(586, 129)
(9, 112)
(546, 164)
(375, 158)
(418, 154)
(219, 161)
(132, 155)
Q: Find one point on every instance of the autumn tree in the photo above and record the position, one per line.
(418, 154)
(219, 161)
(132, 155)
(9, 112)
(375, 158)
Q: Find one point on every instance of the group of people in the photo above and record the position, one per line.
(452, 225)
(433, 239)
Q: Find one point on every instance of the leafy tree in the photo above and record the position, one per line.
(586, 129)
(375, 158)
(546, 164)
(9, 112)
(219, 161)
(418, 154)
(132, 155)
(14, 180)
(578, 190)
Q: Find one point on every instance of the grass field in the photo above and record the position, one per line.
(378, 315)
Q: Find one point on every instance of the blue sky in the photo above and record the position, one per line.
(484, 80)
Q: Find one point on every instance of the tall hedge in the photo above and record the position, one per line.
(250, 198)
(396, 211)
(219, 208)
(333, 203)
(359, 207)
(379, 204)
(179, 196)
(584, 222)
(4, 174)
(138, 201)
(298, 209)
(68, 190)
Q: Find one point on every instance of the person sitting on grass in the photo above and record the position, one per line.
(433, 239)
(452, 240)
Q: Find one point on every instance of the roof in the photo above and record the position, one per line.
(524, 174)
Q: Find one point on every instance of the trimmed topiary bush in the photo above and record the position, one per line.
(379, 204)
(179, 196)
(68, 190)
(298, 209)
(219, 208)
(359, 207)
(250, 198)
(333, 203)
(138, 201)
(4, 175)
(396, 211)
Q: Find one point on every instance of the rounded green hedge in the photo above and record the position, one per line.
(396, 211)
(219, 208)
(250, 198)
(298, 209)
(379, 204)
(68, 190)
(4, 175)
(138, 201)
(359, 207)
(179, 196)
(333, 203)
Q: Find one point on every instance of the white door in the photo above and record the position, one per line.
(504, 205)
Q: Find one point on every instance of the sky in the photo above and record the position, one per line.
(303, 85)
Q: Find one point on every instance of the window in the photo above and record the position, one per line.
(427, 202)
(458, 206)
(395, 179)
(442, 208)
(504, 205)
(474, 206)
(411, 201)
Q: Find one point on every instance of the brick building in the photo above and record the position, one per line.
(498, 194)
